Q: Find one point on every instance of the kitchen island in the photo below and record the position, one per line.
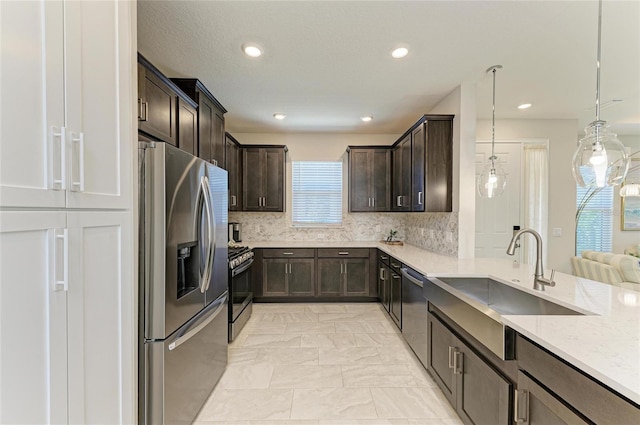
(604, 343)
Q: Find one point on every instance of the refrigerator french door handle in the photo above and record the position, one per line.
(216, 306)
(212, 233)
(204, 188)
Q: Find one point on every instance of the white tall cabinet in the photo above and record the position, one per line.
(67, 223)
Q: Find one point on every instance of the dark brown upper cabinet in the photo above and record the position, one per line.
(422, 166)
(211, 138)
(401, 165)
(439, 163)
(157, 103)
(187, 127)
(263, 184)
(232, 164)
(369, 178)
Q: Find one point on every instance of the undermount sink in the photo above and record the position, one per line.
(505, 299)
(477, 305)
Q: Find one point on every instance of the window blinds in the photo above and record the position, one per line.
(317, 193)
(595, 226)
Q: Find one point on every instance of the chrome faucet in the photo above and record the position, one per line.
(539, 281)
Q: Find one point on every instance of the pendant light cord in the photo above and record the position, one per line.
(598, 61)
(493, 121)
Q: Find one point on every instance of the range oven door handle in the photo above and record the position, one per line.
(244, 267)
(199, 323)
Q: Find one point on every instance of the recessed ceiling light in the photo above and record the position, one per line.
(367, 118)
(279, 116)
(400, 52)
(524, 106)
(252, 50)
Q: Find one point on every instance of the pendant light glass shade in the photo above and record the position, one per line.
(630, 189)
(601, 159)
(493, 180)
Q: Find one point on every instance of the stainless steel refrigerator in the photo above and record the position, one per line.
(183, 282)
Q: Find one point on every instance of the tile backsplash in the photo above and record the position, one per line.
(436, 232)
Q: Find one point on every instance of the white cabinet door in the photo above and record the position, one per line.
(68, 81)
(101, 318)
(100, 82)
(33, 318)
(32, 148)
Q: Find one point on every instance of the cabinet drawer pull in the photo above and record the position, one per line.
(384, 257)
(382, 276)
(287, 253)
(517, 403)
(234, 201)
(399, 201)
(457, 366)
(77, 139)
(450, 357)
(419, 198)
(59, 182)
(343, 253)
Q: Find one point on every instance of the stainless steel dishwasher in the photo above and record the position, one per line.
(414, 313)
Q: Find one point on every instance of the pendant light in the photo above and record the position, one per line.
(493, 180)
(601, 159)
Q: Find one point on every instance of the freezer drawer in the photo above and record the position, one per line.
(182, 370)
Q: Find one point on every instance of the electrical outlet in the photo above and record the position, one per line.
(320, 235)
(377, 228)
(557, 232)
(448, 236)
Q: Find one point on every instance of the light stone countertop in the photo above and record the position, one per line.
(604, 344)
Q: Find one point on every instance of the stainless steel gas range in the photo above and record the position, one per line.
(240, 293)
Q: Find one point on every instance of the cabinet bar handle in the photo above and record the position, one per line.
(286, 268)
(373, 202)
(457, 366)
(369, 201)
(341, 268)
(290, 268)
(517, 401)
(450, 357)
(343, 252)
(382, 274)
(144, 109)
(384, 257)
(233, 200)
(60, 182)
(419, 198)
(79, 184)
(345, 268)
(287, 253)
(399, 201)
(61, 284)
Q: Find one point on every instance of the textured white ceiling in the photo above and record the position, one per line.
(327, 63)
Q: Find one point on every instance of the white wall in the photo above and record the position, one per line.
(624, 239)
(563, 137)
(462, 103)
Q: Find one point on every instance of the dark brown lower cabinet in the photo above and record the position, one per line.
(343, 277)
(288, 277)
(384, 284)
(479, 393)
(551, 391)
(534, 405)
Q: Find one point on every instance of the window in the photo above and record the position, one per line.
(594, 228)
(317, 193)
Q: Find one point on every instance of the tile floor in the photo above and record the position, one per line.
(324, 364)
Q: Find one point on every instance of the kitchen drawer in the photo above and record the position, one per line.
(343, 252)
(288, 253)
(383, 257)
(395, 265)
